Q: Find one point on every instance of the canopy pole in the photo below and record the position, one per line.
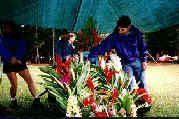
(76, 17)
(53, 43)
(37, 48)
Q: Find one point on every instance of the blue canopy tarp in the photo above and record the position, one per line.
(147, 15)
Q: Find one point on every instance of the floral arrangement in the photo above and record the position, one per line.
(94, 92)
(87, 37)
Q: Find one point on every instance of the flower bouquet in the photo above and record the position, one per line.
(91, 91)
(88, 36)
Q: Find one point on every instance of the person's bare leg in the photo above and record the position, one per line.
(25, 74)
(13, 80)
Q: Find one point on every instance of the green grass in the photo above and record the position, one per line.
(24, 97)
(162, 81)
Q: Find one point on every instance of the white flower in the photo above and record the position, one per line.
(101, 108)
(124, 92)
(102, 62)
(73, 110)
(120, 96)
(116, 61)
(133, 106)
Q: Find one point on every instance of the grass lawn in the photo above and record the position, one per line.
(162, 81)
(163, 84)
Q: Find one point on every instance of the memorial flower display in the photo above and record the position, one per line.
(93, 91)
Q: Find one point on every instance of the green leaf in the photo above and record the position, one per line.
(127, 102)
(44, 69)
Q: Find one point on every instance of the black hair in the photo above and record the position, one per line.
(15, 30)
(123, 21)
(64, 31)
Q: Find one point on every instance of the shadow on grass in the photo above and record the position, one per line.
(44, 111)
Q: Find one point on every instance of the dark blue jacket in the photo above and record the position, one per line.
(63, 49)
(4, 52)
(129, 47)
(13, 48)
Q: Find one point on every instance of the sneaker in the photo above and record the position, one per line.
(13, 103)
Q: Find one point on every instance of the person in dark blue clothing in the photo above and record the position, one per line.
(64, 48)
(127, 40)
(4, 52)
(14, 46)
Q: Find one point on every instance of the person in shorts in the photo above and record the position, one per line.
(15, 46)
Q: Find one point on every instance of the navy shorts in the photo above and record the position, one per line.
(7, 68)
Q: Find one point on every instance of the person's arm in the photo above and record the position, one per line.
(105, 46)
(142, 48)
(143, 51)
(21, 49)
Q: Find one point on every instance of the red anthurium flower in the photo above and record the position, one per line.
(85, 102)
(90, 85)
(147, 98)
(88, 101)
(114, 95)
(91, 100)
(106, 70)
(58, 70)
(101, 114)
(59, 63)
(110, 113)
(67, 63)
(62, 68)
(94, 107)
(105, 58)
(109, 76)
(95, 36)
(58, 60)
(140, 91)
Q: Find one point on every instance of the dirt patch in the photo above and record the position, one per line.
(38, 64)
(162, 64)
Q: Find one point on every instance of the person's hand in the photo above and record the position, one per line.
(89, 63)
(144, 65)
(15, 61)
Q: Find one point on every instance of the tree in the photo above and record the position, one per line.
(164, 41)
